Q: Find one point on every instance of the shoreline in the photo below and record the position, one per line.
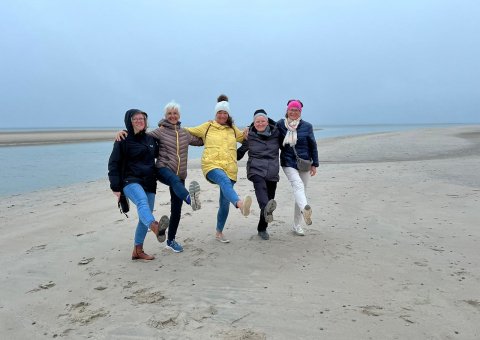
(370, 148)
(8, 139)
(72, 135)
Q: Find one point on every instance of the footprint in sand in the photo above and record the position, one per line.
(202, 256)
(170, 322)
(42, 287)
(473, 303)
(143, 295)
(83, 313)
(129, 284)
(190, 320)
(241, 334)
(371, 310)
(35, 248)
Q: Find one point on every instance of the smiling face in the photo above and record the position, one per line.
(139, 122)
(172, 116)
(293, 113)
(260, 123)
(221, 117)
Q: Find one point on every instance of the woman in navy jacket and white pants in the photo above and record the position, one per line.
(298, 134)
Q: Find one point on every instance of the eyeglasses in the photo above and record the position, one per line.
(138, 119)
(296, 100)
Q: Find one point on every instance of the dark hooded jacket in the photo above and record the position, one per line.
(133, 159)
(262, 153)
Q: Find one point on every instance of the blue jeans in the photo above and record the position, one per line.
(227, 195)
(168, 177)
(178, 193)
(144, 202)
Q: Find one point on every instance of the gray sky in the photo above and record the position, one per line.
(83, 63)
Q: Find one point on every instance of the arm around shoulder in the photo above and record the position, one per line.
(198, 131)
(242, 150)
(155, 133)
(238, 134)
(194, 140)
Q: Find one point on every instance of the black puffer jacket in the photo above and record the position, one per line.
(134, 157)
(262, 153)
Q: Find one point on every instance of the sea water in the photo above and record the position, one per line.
(30, 168)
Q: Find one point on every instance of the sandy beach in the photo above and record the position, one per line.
(393, 253)
(55, 137)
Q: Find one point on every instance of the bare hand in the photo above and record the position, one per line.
(117, 193)
(313, 171)
(245, 133)
(121, 135)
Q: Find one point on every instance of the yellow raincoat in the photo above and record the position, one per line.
(220, 147)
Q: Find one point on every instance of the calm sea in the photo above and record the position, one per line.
(31, 168)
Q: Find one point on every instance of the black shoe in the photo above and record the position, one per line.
(268, 211)
(264, 235)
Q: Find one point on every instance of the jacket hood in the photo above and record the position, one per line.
(167, 124)
(128, 120)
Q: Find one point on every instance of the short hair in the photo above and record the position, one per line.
(171, 105)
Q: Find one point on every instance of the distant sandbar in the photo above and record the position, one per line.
(55, 137)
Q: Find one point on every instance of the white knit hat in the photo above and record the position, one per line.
(222, 106)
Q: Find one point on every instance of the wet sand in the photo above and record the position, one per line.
(55, 137)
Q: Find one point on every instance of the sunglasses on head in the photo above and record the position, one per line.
(295, 100)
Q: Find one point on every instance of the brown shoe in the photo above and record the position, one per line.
(154, 228)
(139, 254)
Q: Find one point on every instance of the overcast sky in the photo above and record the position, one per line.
(83, 63)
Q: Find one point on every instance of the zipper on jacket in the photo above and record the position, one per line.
(178, 151)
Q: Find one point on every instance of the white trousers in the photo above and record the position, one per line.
(298, 180)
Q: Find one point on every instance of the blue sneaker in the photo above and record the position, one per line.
(174, 246)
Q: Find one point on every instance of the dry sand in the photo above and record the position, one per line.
(55, 137)
(393, 253)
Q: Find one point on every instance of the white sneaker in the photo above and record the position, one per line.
(298, 231)
(245, 209)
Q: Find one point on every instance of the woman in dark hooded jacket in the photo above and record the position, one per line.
(131, 169)
(172, 158)
(263, 144)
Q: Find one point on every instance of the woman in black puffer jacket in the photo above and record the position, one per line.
(131, 169)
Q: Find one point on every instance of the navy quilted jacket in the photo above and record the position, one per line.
(306, 145)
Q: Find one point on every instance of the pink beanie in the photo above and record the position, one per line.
(294, 104)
